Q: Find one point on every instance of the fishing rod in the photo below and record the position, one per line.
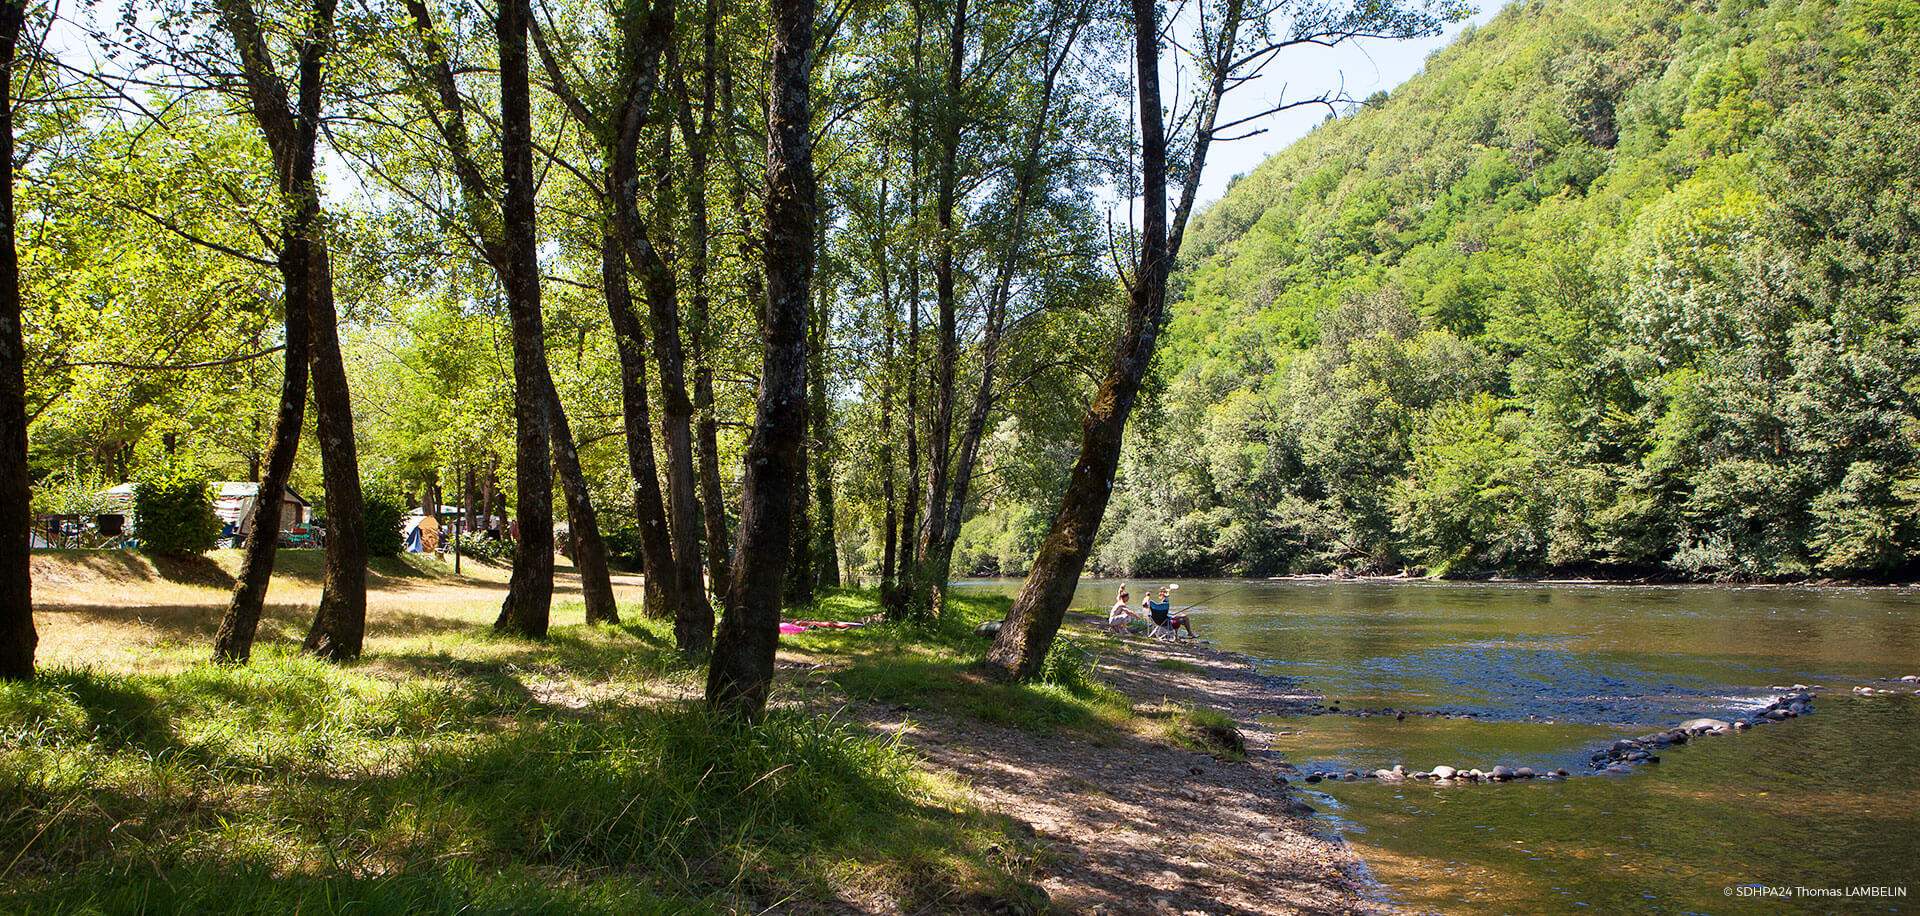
(1215, 596)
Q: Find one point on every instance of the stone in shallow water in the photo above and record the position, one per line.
(1444, 772)
(1707, 724)
(1502, 772)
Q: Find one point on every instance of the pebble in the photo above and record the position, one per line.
(1444, 772)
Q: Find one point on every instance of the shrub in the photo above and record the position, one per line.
(1067, 665)
(384, 508)
(173, 512)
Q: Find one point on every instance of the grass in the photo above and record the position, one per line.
(1178, 664)
(936, 666)
(455, 771)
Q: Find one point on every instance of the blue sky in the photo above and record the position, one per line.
(1363, 67)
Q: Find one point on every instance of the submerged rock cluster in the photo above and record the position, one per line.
(1627, 752)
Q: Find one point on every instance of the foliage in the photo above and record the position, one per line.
(173, 510)
(1621, 288)
(385, 511)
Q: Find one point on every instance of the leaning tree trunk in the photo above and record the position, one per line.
(528, 605)
(589, 549)
(1035, 618)
(234, 642)
(18, 639)
(742, 669)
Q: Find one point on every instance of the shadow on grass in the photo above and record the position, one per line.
(282, 787)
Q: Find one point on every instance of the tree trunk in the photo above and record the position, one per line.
(656, 546)
(589, 549)
(234, 642)
(742, 669)
(938, 557)
(926, 590)
(707, 430)
(528, 605)
(18, 639)
(898, 602)
(1035, 618)
(825, 546)
(340, 622)
(693, 614)
(799, 587)
(889, 522)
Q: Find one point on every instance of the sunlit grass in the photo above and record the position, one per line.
(454, 770)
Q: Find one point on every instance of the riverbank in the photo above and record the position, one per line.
(454, 770)
(1179, 805)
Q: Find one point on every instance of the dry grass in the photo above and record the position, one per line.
(126, 612)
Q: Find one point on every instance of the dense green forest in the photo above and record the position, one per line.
(1610, 287)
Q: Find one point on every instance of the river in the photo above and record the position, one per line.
(1541, 675)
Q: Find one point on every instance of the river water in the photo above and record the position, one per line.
(1541, 675)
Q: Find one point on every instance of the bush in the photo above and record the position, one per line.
(1067, 665)
(384, 510)
(173, 512)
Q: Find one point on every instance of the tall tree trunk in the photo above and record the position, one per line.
(340, 622)
(926, 591)
(1035, 618)
(528, 605)
(742, 670)
(699, 137)
(898, 603)
(890, 520)
(656, 545)
(18, 639)
(938, 557)
(825, 546)
(589, 549)
(234, 641)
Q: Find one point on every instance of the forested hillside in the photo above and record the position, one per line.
(1609, 287)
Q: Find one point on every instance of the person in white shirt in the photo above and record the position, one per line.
(1120, 614)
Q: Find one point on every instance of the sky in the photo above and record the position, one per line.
(1362, 67)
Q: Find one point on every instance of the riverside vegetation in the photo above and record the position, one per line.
(1617, 288)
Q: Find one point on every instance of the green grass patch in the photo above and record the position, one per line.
(936, 665)
(464, 773)
(1178, 664)
(1208, 731)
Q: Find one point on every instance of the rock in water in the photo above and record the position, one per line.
(1524, 772)
(989, 629)
(1502, 772)
(1444, 772)
(1704, 724)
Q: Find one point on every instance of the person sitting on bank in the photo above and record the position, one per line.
(1121, 613)
(1161, 610)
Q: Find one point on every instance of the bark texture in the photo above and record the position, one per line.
(18, 638)
(528, 606)
(1028, 632)
(741, 673)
